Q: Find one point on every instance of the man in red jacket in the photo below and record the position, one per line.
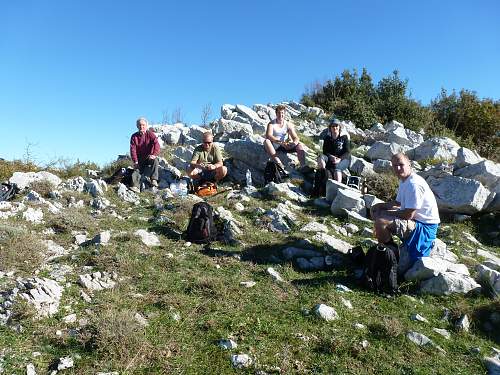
(144, 149)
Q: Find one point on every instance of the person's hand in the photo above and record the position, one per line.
(210, 167)
(152, 157)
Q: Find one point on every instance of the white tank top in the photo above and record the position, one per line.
(280, 133)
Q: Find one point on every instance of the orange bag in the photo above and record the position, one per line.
(206, 190)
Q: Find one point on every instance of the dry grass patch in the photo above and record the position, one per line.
(20, 250)
(72, 219)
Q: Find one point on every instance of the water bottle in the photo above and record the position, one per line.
(183, 189)
(249, 177)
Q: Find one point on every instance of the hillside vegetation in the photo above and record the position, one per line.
(472, 121)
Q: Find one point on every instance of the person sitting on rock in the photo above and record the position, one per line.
(336, 148)
(281, 136)
(206, 163)
(144, 149)
(413, 216)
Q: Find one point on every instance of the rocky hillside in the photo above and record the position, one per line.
(97, 279)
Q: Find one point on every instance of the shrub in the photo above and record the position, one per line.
(382, 185)
(7, 168)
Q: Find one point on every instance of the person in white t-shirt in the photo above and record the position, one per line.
(413, 216)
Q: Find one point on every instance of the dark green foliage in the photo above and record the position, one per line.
(356, 98)
(470, 117)
(472, 122)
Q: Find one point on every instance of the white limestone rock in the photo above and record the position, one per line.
(295, 252)
(486, 172)
(314, 227)
(32, 215)
(360, 167)
(43, 293)
(127, 195)
(489, 278)
(384, 150)
(98, 280)
(274, 274)
(325, 312)
(96, 188)
(333, 243)
(442, 332)
(286, 189)
(348, 200)
(25, 179)
(435, 148)
(382, 166)
(459, 195)
(241, 361)
(466, 157)
(447, 283)
(149, 239)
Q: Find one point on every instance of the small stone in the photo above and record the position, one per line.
(69, 319)
(364, 344)
(141, 320)
(342, 288)
(475, 350)
(442, 332)
(30, 369)
(176, 316)
(85, 296)
(419, 318)
(359, 326)
(418, 338)
(59, 332)
(274, 274)
(239, 207)
(241, 361)
(346, 303)
(248, 284)
(64, 363)
(227, 344)
(325, 312)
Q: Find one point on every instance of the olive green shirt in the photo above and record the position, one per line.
(201, 156)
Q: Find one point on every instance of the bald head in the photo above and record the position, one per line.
(401, 165)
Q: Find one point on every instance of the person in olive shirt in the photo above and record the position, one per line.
(336, 148)
(206, 163)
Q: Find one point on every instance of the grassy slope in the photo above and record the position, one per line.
(268, 321)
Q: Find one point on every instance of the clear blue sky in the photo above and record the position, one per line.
(74, 75)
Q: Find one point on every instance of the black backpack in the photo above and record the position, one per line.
(320, 178)
(8, 191)
(381, 270)
(201, 227)
(123, 175)
(273, 173)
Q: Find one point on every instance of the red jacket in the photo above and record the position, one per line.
(143, 145)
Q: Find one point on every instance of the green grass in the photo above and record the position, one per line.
(268, 321)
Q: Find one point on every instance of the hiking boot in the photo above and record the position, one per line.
(154, 183)
(135, 189)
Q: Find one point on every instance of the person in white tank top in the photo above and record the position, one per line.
(281, 136)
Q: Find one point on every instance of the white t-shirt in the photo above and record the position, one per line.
(416, 194)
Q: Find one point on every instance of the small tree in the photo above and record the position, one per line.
(177, 115)
(206, 113)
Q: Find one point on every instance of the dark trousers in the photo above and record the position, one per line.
(147, 169)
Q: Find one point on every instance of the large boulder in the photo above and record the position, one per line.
(249, 150)
(25, 179)
(384, 150)
(332, 187)
(225, 130)
(349, 200)
(196, 132)
(435, 148)
(466, 157)
(459, 195)
(490, 278)
(258, 124)
(382, 166)
(447, 283)
(486, 172)
(360, 167)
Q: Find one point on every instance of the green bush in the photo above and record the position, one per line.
(382, 185)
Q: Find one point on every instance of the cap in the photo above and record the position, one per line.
(334, 121)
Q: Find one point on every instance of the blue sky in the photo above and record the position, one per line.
(74, 75)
